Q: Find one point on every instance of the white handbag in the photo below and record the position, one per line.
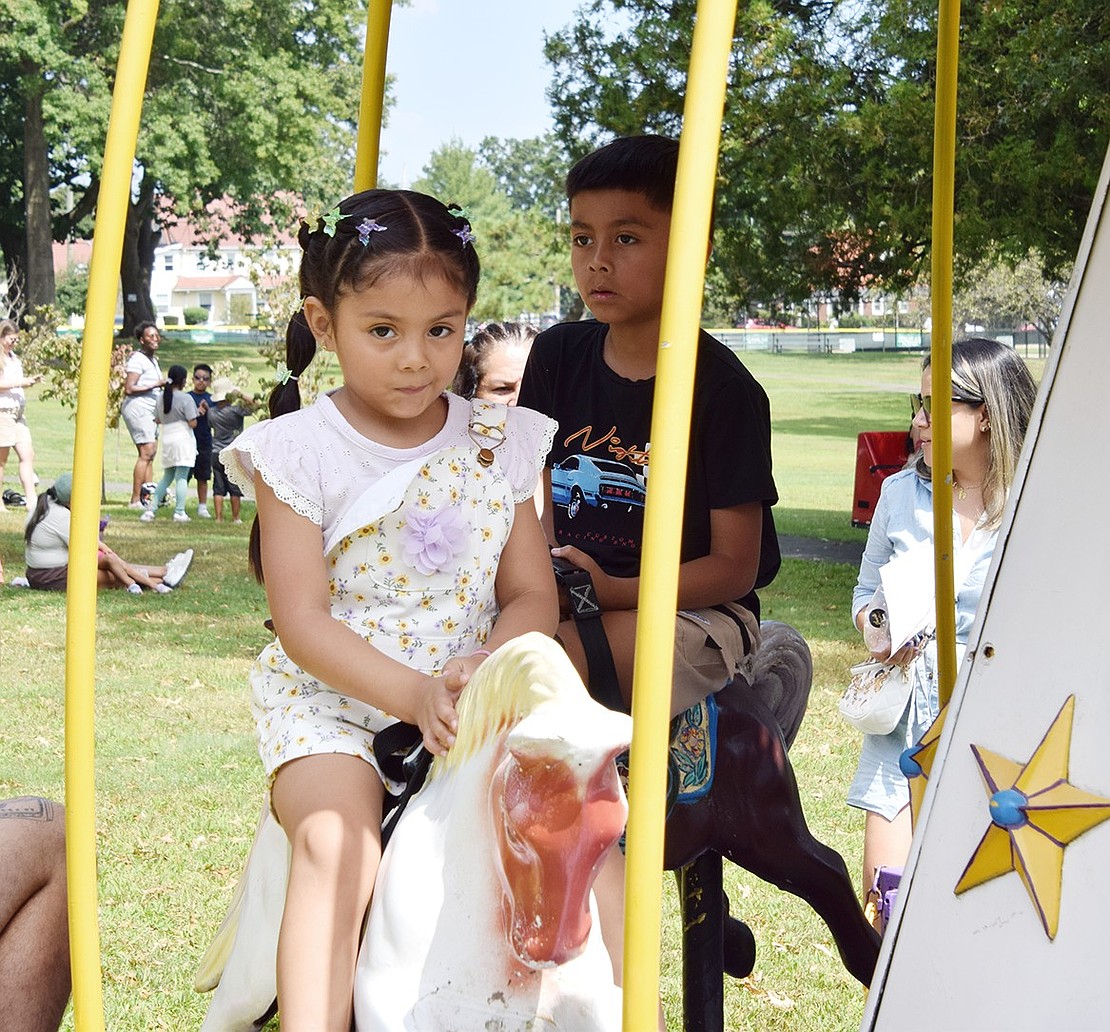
(877, 696)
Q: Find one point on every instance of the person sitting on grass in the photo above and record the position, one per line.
(46, 551)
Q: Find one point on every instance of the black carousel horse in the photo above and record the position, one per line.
(748, 811)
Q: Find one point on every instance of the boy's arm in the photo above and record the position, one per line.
(726, 573)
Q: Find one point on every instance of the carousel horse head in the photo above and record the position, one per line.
(501, 848)
(555, 800)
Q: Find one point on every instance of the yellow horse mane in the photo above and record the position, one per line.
(520, 675)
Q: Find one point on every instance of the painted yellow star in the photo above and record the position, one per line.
(1035, 812)
(916, 763)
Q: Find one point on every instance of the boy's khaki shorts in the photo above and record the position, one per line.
(710, 649)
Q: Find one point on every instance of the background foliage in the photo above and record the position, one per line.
(825, 174)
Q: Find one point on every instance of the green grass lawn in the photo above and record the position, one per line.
(178, 780)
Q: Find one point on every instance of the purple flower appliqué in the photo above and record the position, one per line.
(432, 539)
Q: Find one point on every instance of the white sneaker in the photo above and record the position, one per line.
(177, 567)
(147, 516)
(181, 517)
(163, 589)
(134, 589)
(135, 505)
(203, 513)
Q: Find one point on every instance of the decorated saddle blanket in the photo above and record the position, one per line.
(693, 755)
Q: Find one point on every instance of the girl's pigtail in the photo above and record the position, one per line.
(300, 349)
(167, 396)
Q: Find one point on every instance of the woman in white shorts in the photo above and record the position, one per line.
(14, 432)
(140, 397)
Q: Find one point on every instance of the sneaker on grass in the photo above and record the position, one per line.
(177, 567)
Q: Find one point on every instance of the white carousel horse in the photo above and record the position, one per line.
(483, 914)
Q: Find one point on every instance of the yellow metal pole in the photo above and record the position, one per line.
(373, 94)
(944, 174)
(670, 434)
(88, 457)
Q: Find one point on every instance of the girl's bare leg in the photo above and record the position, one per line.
(330, 807)
(609, 892)
(147, 576)
(26, 455)
(112, 571)
(885, 844)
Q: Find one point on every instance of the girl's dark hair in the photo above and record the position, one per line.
(378, 233)
(39, 513)
(483, 344)
(176, 377)
(990, 373)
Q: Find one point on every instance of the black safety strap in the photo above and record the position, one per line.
(603, 684)
(399, 750)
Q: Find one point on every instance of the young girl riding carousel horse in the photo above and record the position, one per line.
(399, 543)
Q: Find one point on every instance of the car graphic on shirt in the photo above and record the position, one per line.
(601, 483)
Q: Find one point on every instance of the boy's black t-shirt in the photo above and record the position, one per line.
(600, 459)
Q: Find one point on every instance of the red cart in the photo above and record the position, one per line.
(878, 454)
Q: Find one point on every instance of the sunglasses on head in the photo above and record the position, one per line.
(925, 401)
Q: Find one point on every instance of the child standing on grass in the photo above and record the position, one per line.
(400, 544)
(229, 410)
(177, 413)
(202, 468)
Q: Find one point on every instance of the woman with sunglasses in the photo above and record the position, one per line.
(992, 398)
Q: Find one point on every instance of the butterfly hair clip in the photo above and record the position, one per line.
(368, 226)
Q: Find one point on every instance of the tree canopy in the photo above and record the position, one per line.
(247, 102)
(509, 200)
(825, 175)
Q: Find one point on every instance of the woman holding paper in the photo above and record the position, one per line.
(992, 398)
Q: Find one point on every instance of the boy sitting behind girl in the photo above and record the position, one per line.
(597, 379)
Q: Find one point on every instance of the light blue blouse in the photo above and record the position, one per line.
(903, 520)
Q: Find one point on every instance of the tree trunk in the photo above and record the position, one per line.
(139, 239)
(12, 244)
(36, 200)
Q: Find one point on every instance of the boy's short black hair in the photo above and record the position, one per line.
(641, 164)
